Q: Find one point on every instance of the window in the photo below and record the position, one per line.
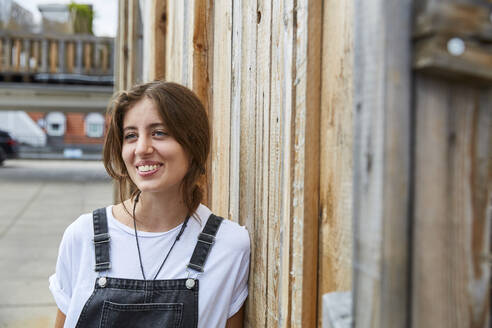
(94, 125)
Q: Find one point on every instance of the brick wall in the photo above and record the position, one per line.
(75, 129)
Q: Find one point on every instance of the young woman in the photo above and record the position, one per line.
(159, 258)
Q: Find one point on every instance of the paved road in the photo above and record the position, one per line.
(38, 200)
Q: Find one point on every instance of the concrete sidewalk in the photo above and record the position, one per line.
(38, 201)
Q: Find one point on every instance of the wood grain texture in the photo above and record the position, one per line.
(157, 47)
(221, 112)
(453, 188)
(280, 163)
(381, 163)
(335, 230)
(202, 67)
(256, 309)
(174, 42)
(305, 152)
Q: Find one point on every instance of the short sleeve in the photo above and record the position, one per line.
(61, 280)
(240, 291)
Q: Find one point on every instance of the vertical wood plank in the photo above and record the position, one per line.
(381, 163)
(453, 188)
(256, 309)
(280, 164)
(247, 132)
(174, 46)
(122, 46)
(202, 67)
(335, 230)
(235, 112)
(156, 29)
(133, 46)
(305, 149)
(221, 117)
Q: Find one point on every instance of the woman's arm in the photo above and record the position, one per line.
(60, 319)
(236, 321)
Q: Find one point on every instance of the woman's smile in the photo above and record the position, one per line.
(148, 168)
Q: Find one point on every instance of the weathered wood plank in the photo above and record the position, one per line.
(122, 47)
(155, 31)
(335, 230)
(174, 45)
(134, 62)
(280, 165)
(453, 188)
(305, 152)
(256, 310)
(238, 51)
(202, 65)
(221, 112)
(381, 163)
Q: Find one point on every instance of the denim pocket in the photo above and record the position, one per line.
(142, 315)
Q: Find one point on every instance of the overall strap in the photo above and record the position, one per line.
(205, 242)
(101, 239)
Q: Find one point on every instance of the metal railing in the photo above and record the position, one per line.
(30, 57)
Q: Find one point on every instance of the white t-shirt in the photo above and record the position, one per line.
(223, 284)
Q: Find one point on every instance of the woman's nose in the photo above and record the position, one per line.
(144, 146)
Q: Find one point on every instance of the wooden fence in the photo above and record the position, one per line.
(353, 168)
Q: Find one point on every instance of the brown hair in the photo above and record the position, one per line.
(185, 119)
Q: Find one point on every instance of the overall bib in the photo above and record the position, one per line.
(125, 303)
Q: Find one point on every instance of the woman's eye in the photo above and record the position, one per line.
(160, 133)
(130, 136)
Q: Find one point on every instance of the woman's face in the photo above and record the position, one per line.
(155, 161)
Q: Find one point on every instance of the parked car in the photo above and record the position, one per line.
(8, 147)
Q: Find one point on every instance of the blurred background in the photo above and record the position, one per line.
(56, 78)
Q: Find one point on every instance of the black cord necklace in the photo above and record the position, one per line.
(138, 245)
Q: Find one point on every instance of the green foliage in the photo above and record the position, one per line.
(82, 17)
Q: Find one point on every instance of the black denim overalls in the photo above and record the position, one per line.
(124, 303)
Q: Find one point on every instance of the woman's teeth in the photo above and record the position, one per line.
(147, 168)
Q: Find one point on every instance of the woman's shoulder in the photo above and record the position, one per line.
(234, 236)
(81, 227)
(230, 236)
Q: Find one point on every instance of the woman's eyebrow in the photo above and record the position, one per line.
(150, 126)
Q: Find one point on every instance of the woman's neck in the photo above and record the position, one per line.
(158, 213)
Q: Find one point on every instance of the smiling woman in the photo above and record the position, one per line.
(159, 257)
